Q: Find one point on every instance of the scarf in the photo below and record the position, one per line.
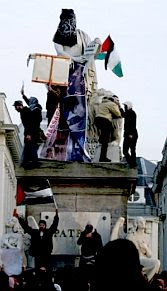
(66, 33)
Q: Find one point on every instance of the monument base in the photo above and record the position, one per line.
(113, 153)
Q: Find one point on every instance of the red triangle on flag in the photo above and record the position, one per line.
(20, 195)
(107, 45)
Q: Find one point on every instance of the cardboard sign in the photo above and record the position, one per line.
(51, 69)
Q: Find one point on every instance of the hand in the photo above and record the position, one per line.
(28, 138)
(15, 214)
(88, 234)
(22, 90)
(97, 40)
(43, 269)
(80, 59)
(50, 87)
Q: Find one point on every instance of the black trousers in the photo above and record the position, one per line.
(105, 129)
(29, 153)
(43, 261)
(129, 149)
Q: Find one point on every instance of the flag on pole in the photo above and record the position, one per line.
(109, 54)
(34, 192)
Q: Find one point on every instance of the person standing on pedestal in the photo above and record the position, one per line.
(41, 241)
(103, 120)
(130, 133)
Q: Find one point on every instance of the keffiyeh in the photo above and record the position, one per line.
(66, 32)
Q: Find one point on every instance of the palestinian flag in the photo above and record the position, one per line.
(110, 55)
(37, 191)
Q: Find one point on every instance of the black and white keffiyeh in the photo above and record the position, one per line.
(66, 33)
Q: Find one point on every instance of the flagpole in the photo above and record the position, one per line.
(54, 200)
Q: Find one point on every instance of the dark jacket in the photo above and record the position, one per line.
(40, 246)
(35, 114)
(90, 245)
(129, 122)
(25, 115)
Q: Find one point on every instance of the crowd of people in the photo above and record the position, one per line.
(117, 264)
(114, 266)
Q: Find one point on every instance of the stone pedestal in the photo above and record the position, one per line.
(84, 192)
(90, 187)
(113, 153)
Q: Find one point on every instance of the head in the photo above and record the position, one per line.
(66, 31)
(140, 223)
(18, 104)
(33, 103)
(115, 99)
(119, 257)
(67, 14)
(127, 105)
(89, 228)
(14, 225)
(42, 224)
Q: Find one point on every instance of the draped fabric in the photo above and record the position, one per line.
(66, 33)
(75, 112)
(66, 140)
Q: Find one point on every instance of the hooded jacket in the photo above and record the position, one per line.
(108, 109)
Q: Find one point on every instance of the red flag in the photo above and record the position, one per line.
(20, 195)
(107, 45)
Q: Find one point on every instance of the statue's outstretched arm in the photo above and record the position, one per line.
(118, 228)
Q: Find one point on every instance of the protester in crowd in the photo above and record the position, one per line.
(54, 97)
(29, 156)
(159, 282)
(108, 110)
(4, 281)
(41, 242)
(91, 244)
(130, 133)
(118, 268)
(71, 278)
(36, 115)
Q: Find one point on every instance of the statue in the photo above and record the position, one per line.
(69, 41)
(139, 237)
(12, 248)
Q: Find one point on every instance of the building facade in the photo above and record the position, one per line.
(160, 191)
(10, 153)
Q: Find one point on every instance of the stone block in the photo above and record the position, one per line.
(113, 153)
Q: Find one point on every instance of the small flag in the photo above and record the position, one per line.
(110, 55)
(34, 192)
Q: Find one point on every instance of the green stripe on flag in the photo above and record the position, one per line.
(101, 56)
(117, 70)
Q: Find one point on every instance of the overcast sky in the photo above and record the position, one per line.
(139, 30)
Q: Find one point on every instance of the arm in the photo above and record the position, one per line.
(122, 112)
(144, 249)
(7, 244)
(60, 52)
(54, 225)
(26, 99)
(99, 241)
(132, 123)
(24, 96)
(115, 111)
(25, 225)
(81, 238)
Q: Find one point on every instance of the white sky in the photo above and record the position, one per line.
(139, 30)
